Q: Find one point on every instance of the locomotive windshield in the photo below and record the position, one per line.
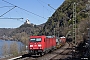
(35, 40)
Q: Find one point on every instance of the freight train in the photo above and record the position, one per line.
(43, 44)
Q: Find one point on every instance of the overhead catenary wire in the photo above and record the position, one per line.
(48, 4)
(8, 11)
(43, 2)
(43, 5)
(6, 6)
(24, 9)
(51, 6)
(11, 18)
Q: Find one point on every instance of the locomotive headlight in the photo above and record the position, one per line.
(39, 45)
(31, 45)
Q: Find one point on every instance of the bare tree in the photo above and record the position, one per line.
(14, 48)
(5, 49)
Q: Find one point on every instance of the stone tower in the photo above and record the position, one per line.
(27, 22)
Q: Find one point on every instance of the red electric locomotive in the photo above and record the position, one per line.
(41, 44)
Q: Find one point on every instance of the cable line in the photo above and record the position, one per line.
(43, 5)
(24, 9)
(6, 6)
(11, 18)
(8, 11)
(44, 2)
(48, 4)
(51, 6)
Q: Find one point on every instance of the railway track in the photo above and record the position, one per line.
(52, 55)
(57, 54)
(64, 54)
(24, 57)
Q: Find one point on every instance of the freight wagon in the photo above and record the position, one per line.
(60, 41)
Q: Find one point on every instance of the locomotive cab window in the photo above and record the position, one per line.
(32, 40)
(35, 40)
(38, 39)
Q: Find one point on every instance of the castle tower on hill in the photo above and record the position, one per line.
(27, 22)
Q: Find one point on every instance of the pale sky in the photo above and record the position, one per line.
(37, 11)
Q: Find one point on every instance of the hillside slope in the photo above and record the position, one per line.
(62, 19)
(4, 32)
